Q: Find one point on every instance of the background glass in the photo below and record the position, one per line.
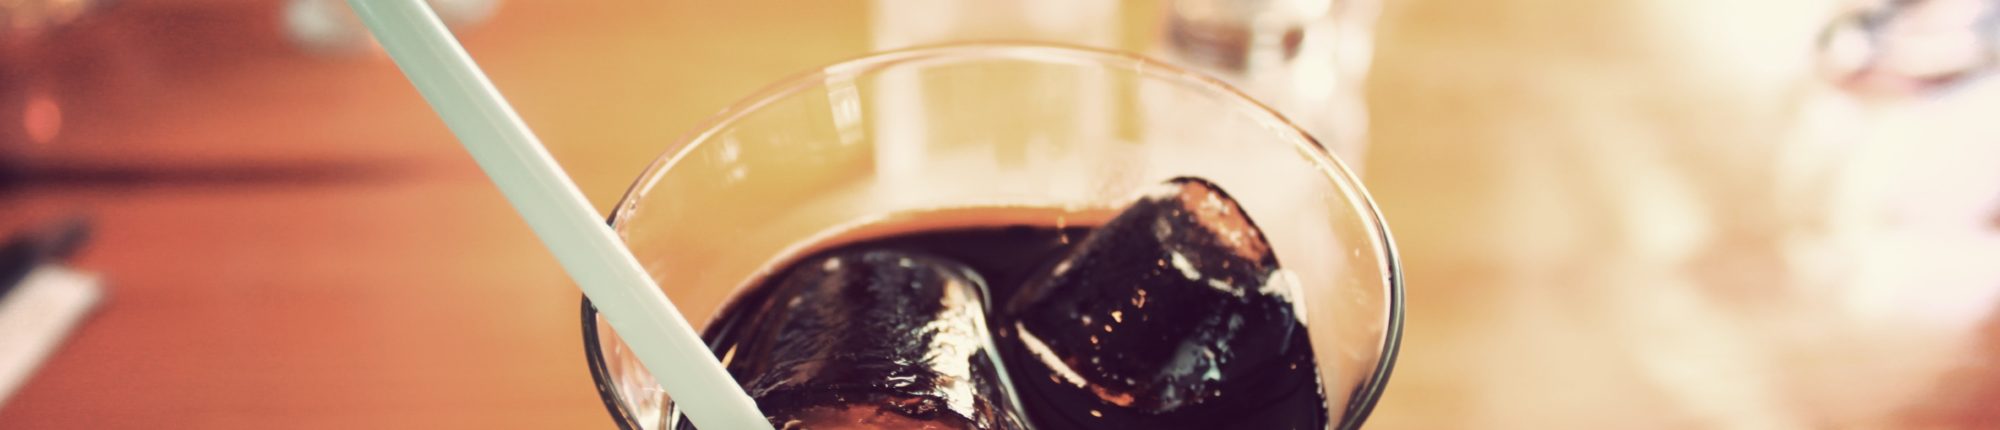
(1306, 59)
(997, 126)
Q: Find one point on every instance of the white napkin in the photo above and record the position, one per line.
(37, 315)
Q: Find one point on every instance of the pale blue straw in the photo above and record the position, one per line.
(557, 211)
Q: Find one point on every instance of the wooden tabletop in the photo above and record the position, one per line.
(294, 240)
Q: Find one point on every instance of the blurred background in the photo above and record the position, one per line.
(1614, 214)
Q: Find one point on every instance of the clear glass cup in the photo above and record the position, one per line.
(996, 126)
(1306, 59)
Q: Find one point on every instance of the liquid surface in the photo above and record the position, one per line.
(1172, 314)
(802, 349)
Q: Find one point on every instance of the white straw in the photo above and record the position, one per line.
(559, 214)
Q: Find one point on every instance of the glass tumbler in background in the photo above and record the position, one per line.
(1001, 127)
(1307, 59)
(1887, 177)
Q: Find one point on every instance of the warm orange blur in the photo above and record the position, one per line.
(295, 241)
(1595, 234)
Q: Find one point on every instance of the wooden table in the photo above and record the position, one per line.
(294, 241)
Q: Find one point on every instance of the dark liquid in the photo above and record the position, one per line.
(1005, 257)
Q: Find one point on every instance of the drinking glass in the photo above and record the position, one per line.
(1306, 59)
(1002, 126)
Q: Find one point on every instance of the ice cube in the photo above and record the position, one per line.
(870, 339)
(1173, 314)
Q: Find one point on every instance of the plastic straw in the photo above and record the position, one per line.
(557, 211)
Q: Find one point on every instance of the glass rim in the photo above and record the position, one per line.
(1368, 394)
